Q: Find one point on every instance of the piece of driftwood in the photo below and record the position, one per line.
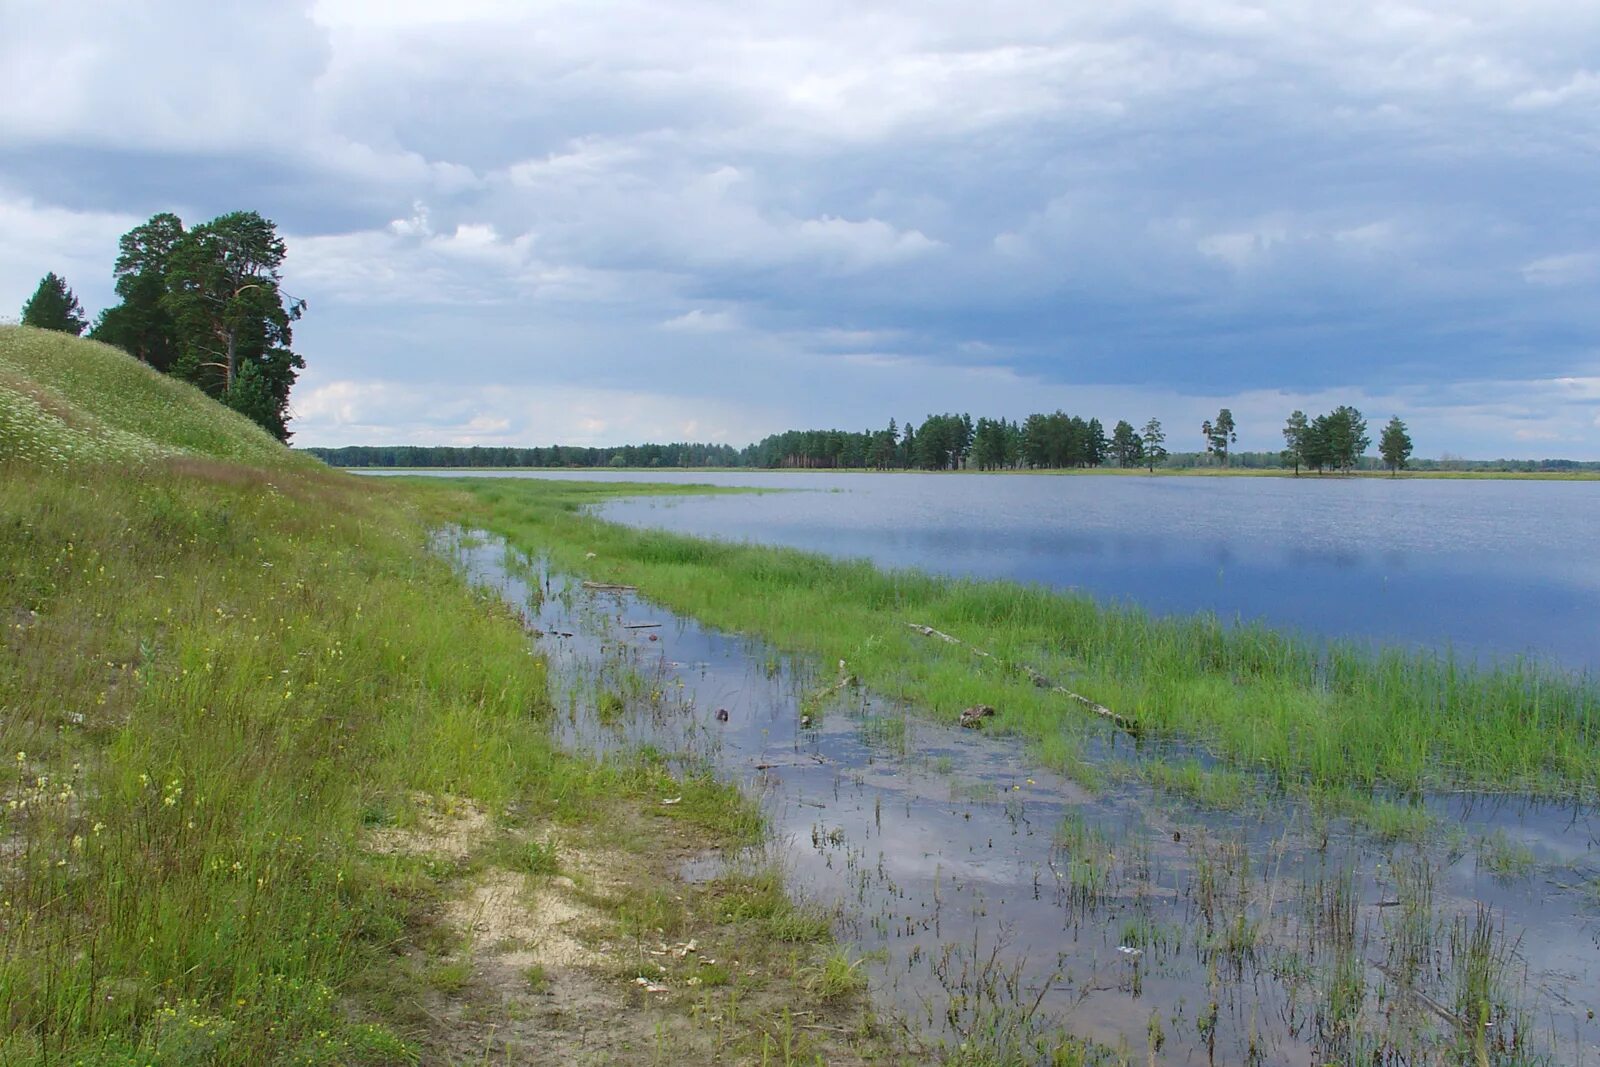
(607, 587)
(1032, 675)
(640, 625)
(973, 717)
(1401, 985)
(813, 758)
(846, 679)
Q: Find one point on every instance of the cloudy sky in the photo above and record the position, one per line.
(595, 222)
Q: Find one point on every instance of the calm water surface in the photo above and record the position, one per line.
(1487, 569)
(941, 848)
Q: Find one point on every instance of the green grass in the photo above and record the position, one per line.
(760, 897)
(835, 976)
(1207, 787)
(1310, 716)
(217, 680)
(1505, 858)
(529, 857)
(451, 977)
(64, 402)
(209, 687)
(1388, 819)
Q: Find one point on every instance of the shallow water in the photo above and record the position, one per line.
(1488, 569)
(984, 889)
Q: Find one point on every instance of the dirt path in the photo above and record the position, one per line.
(557, 950)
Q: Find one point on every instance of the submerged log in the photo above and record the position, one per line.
(1034, 676)
(973, 717)
(607, 587)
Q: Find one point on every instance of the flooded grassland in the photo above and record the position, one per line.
(1129, 893)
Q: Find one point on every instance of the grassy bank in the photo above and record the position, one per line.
(280, 788)
(1312, 717)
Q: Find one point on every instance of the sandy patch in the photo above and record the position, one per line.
(451, 828)
(510, 920)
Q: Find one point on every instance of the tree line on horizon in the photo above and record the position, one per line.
(203, 304)
(1336, 441)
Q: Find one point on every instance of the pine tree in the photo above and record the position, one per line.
(1219, 435)
(1125, 444)
(141, 325)
(1153, 440)
(223, 295)
(1295, 440)
(1395, 445)
(54, 307)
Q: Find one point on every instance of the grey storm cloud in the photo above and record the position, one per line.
(598, 221)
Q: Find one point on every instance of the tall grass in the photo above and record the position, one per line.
(1309, 714)
(210, 678)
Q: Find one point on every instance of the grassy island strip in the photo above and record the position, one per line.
(278, 787)
(1315, 718)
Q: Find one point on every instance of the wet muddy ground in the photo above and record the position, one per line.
(999, 906)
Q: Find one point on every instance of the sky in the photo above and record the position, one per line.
(604, 223)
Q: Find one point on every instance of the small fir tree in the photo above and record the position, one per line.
(1395, 445)
(54, 307)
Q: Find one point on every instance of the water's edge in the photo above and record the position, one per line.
(987, 893)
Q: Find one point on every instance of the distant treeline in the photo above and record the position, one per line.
(678, 455)
(1053, 441)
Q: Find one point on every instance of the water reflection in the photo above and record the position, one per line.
(994, 895)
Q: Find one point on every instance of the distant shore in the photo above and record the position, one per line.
(1159, 472)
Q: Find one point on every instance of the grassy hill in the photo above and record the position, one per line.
(262, 749)
(64, 399)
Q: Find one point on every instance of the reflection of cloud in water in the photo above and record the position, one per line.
(921, 853)
(923, 863)
(1457, 565)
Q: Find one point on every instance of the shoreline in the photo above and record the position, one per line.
(1092, 472)
(1308, 713)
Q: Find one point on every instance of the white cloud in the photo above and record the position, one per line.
(77, 245)
(406, 262)
(1571, 269)
(869, 242)
(699, 321)
(397, 412)
(1583, 86)
(415, 226)
(1150, 193)
(1242, 250)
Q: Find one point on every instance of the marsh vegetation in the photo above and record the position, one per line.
(1163, 896)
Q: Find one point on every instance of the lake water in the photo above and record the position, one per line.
(1484, 569)
(981, 886)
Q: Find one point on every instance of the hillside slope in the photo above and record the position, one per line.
(267, 756)
(64, 399)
